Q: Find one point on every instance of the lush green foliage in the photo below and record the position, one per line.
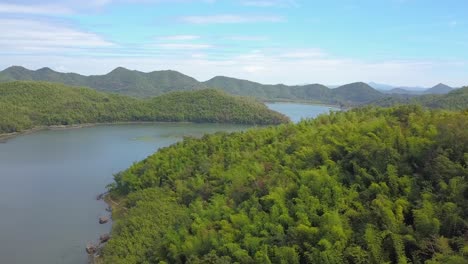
(370, 185)
(142, 84)
(27, 104)
(210, 105)
(454, 100)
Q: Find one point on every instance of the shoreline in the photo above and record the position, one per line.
(7, 136)
(306, 102)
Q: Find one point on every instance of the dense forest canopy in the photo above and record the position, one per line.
(27, 104)
(370, 185)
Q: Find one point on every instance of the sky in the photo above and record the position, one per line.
(397, 42)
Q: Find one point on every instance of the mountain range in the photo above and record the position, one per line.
(140, 84)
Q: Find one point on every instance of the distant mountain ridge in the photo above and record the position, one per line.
(457, 99)
(140, 84)
(389, 89)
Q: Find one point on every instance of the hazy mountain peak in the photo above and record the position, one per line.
(441, 85)
(119, 69)
(381, 86)
(15, 68)
(439, 89)
(45, 69)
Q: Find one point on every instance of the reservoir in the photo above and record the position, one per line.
(50, 180)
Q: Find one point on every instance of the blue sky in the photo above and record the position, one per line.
(400, 42)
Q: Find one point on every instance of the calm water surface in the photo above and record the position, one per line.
(299, 111)
(50, 179)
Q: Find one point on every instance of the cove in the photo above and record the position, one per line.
(50, 179)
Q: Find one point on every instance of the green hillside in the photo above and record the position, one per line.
(356, 93)
(349, 94)
(454, 100)
(313, 92)
(120, 80)
(210, 105)
(27, 104)
(140, 84)
(370, 185)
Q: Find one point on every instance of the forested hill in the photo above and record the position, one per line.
(120, 80)
(27, 104)
(370, 185)
(349, 94)
(314, 92)
(216, 106)
(456, 99)
(140, 84)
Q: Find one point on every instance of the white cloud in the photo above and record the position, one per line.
(270, 3)
(179, 37)
(231, 19)
(303, 54)
(184, 46)
(198, 55)
(253, 68)
(39, 43)
(248, 38)
(63, 7)
(48, 9)
(20, 35)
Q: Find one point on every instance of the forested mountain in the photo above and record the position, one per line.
(356, 93)
(456, 99)
(120, 80)
(26, 104)
(312, 92)
(369, 185)
(140, 84)
(350, 94)
(404, 91)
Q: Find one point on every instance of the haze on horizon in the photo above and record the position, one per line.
(398, 42)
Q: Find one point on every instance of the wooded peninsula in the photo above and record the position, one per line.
(370, 185)
(28, 104)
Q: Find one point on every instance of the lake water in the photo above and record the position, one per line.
(296, 112)
(50, 179)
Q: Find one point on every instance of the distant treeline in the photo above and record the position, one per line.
(27, 104)
(454, 100)
(370, 185)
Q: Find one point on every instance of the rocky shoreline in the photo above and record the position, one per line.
(94, 249)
